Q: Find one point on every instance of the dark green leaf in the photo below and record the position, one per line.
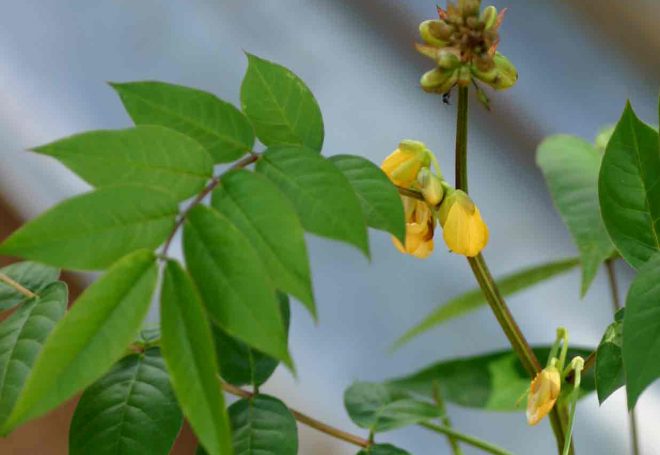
(21, 338)
(240, 364)
(475, 299)
(570, 166)
(493, 381)
(380, 199)
(148, 155)
(269, 221)
(235, 288)
(190, 357)
(93, 230)
(629, 189)
(130, 410)
(280, 106)
(217, 125)
(90, 338)
(383, 449)
(641, 326)
(609, 361)
(263, 425)
(322, 195)
(379, 407)
(30, 275)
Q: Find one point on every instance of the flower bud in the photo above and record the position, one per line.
(507, 73)
(489, 17)
(543, 394)
(464, 231)
(447, 59)
(435, 32)
(439, 80)
(420, 224)
(431, 186)
(403, 165)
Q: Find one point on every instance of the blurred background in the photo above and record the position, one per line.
(579, 62)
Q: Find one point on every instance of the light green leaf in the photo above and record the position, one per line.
(629, 189)
(379, 198)
(322, 195)
(570, 166)
(378, 407)
(493, 381)
(609, 361)
(30, 275)
(269, 221)
(280, 106)
(190, 357)
(263, 425)
(148, 155)
(383, 449)
(93, 230)
(474, 299)
(235, 288)
(217, 125)
(21, 338)
(131, 410)
(641, 326)
(240, 364)
(90, 338)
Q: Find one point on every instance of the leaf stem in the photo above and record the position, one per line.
(446, 421)
(616, 305)
(485, 279)
(10, 282)
(471, 440)
(307, 420)
(213, 183)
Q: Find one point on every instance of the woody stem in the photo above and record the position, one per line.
(485, 279)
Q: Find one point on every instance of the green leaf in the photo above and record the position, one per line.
(148, 155)
(240, 364)
(383, 449)
(235, 288)
(493, 381)
(21, 338)
(609, 360)
(570, 166)
(90, 338)
(474, 299)
(280, 106)
(130, 410)
(629, 189)
(31, 275)
(269, 221)
(91, 231)
(379, 407)
(263, 425)
(322, 195)
(190, 358)
(641, 326)
(221, 128)
(380, 199)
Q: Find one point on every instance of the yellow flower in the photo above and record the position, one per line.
(464, 230)
(543, 394)
(420, 224)
(403, 165)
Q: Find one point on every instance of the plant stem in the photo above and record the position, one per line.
(471, 440)
(215, 181)
(307, 420)
(446, 421)
(26, 292)
(485, 279)
(616, 305)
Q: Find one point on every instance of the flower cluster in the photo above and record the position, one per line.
(464, 231)
(463, 43)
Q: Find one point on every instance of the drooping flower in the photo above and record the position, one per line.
(403, 165)
(420, 224)
(464, 231)
(543, 394)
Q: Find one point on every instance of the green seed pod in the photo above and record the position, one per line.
(439, 80)
(507, 73)
(435, 32)
(447, 59)
(489, 17)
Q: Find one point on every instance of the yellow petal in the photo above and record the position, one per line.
(543, 394)
(423, 250)
(464, 231)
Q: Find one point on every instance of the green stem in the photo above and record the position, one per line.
(14, 284)
(446, 421)
(471, 440)
(485, 279)
(616, 305)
